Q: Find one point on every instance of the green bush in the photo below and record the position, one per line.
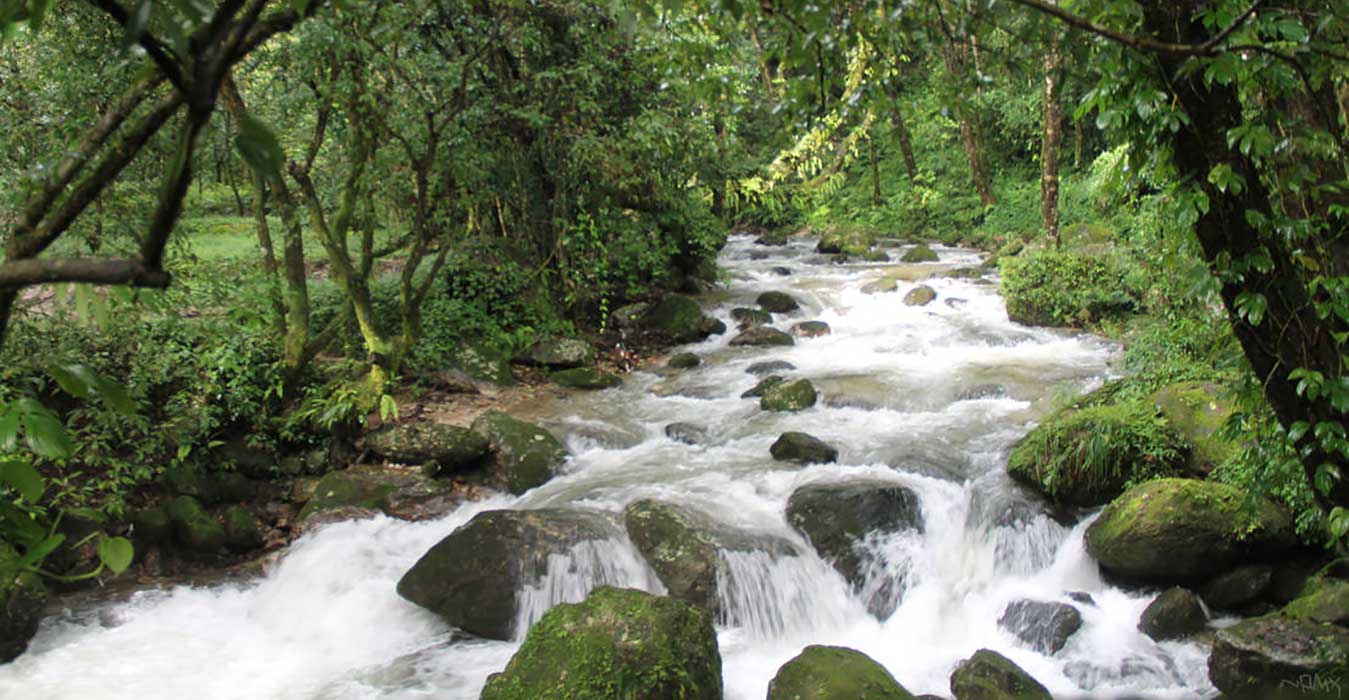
(1047, 288)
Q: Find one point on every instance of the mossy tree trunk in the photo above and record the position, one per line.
(1051, 138)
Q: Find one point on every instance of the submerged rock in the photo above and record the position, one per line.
(834, 673)
(585, 378)
(762, 336)
(470, 577)
(1266, 657)
(1174, 614)
(781, 271)
(23, 599)
(684, 360)
(1181, 529)
(922, 295)
(679, 319)
(770, 367)
(687, 433)
(811, 329)
(523, 455)
(449, 448)
(777, 302)
(749, 318)
(789, 396)
(989, 675)
(1045, 626)
(559, 353)
(803, 448)
(617, 643)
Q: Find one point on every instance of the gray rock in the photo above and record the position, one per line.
(559, 353)
(777, 302)
(922, 295)
(1042, 625)
(989, 675)
(1238, 587)
(1174, 614)
(762, 336)
(684, 360)
(749, 318)
(811, 329)
(687, 433)
(770, 367)
(586, 378)
(802, 448)
(523, 455)
(1266, 657)
(449, 447)
(758, 390)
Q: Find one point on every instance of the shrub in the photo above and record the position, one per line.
(1048, 288)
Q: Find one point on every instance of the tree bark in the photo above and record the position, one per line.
(1050, 140)
(905, 144)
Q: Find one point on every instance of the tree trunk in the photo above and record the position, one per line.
(969, 137)
(875, 172)
(954, 55)
(1049, 143)
(905, 144)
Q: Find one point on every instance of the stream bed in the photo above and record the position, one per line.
(930, 397)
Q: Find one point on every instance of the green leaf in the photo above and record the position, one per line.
(77, 380)
(9, 430)
(387, 407)
(21, 475)
(116, 553)
(259, 147)
(34, 556)
(19, 526)
(115, 396)
(45, 435)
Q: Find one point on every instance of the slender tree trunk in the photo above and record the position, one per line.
(1049, 143)
(969, 137)
(905, 144)
(875, 172)
(1077, 143)
(765, 72)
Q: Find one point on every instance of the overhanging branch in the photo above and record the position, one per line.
(24, 273)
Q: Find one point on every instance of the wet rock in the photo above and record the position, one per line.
(803, 448)
(811, 329)
(680, 319)
(989, 675)
(1174, 614)
(587, 378)
(193, 527)
(837, 517)
(559, 353)
(956, 302)
(649, 646)
(1082, 597)
(449, 448)
(23, 599)
(1266, 657)
(1196, 411)
(151, 526)
(759, 255)
(243, 530)
(922, 295)
(920, 253)
(211, 487)
(470, 577)
(982, 391)
(687, 433)
(884, 285)
(625, 317)
(483, 363)
(777, 302)
(348, 489)
(1044, 626)
(1238, 587)
(750, 318)
(252, 460)
(758, 390)
(962, 273)
(770, 367)
(684, 360)
(772, 238)
(523, 455)
(1181, 529)
(1323, 599)
(789, 396)
(834, 673)
(781, 271)
(762, 336)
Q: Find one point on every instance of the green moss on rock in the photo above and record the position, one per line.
(680, 319)
(1323, 599)
(243, 531)
(989, 675)
(920, 253)
(346, 489)
(523, 455)
(1048, 288)
(193, 527)
(585, 378)
(449, 448)
(618, 643)
(1195, 411)
(834, 673)
(1265, 657)
(789, 396)
(483, 363)
(922, 295)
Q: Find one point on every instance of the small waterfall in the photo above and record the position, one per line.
(772, 597)
(572, 575)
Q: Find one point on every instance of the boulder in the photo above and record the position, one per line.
(193, 527)
(523, 455)
(789, 396)
(1180, 529)
(255, 461)
(1196, 411)
(679, 319)
(210, 488)
(920, 253)
(811, 329)
(1267, 657)
(762, 336)
(758, 390)
(243, 530)
(559, 353)
(151, 526)
(767, 367)
(470, 577)
(684, 548)
(587, 378)
(1238, 587)
(684, 360)
(23, 599)
(840, 240)
(777, 302)
(834, 673)
(346, 490)
(749, 318)
(618, 643)
(922, 295)
(800, 447)
(482, 363)
(626, 316)
(989, 675)
(837, 517)
(448, 448)
(1174, 614)
(883, 285)
(1043, 625)
(1323, 599)
(687, 433)
(1083, 457)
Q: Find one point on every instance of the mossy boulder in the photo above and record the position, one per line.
(626, 316)
(23, 599)
(483, 363)
(762, 336)
(1176, 530)
(1323, 599)
(684, 547)
(470, 577)
(448, 448)
(243, 530)
(989, 675)
(523, 455)
(151, 526)
(922, 295)
(834, 673)
(618, 643)
(777, 302)
(1174, 614)
(842, 240)
(193, 527)
(1043, 625)
(210, 488)
(749, 318)
(587, 378)
(1267, 657)
(921, 253)
(680, 319)
(1049, 288)
(1083, 457)
(348, 489)
(758, 390)
(789, 396)
(811, 329)
(559, 353)
(837, 517)
(773, 238)
(800, 447)
(684, 360)
(1196, 411)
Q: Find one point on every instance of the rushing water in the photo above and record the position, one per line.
(930, 398)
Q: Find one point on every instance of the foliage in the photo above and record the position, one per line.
(1049, 288)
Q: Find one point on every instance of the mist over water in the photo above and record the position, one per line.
(930, 398)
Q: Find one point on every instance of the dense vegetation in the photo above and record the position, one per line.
(256, 223)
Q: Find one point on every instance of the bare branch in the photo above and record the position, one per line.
(154, 48)
(1208, 48)
(24, 273)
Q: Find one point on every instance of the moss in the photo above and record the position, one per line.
(1087, 456)
(618, 643)
(523, 455)
(921, 295)
(834, 673)
(680, 319)
(1049, 288)
(346, 490)
(585, 378)
(684, 360)
(193, 526)
(448, 447)
(920, 253)
(1322, 599)
(789, 396)
(483, 363)
(242, 529)
(1195, 410)
(989, 675)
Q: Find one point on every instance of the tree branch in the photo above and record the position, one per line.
(154, 48)
(24, 273)
(1208, 47)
